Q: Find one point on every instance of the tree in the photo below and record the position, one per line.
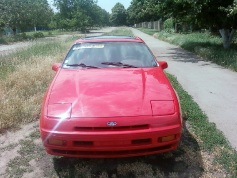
(79, 14)
(212, 14)
(40, 13)
(118, 16)
(228, 31)
(143, 11)
(135, 12)
(19, 14)
(101, 16)
(223, 21)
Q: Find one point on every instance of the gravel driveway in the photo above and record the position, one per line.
(211, 86)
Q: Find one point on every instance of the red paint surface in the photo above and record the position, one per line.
(79, 104)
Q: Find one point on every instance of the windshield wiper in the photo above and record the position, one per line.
(120, 64)
(81, 65)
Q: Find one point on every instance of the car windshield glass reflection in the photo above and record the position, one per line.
(109, 55)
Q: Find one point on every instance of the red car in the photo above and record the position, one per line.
(110, 98)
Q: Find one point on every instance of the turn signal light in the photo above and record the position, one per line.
(56, 142)
(167, 138)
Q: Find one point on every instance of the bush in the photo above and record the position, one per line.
(168, 25)
(38, 35)
(24, 36)
(2, 40)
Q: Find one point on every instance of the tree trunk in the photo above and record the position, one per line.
(176, 28)
(14, 30)
(227, 36)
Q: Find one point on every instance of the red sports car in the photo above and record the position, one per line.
(110, 98)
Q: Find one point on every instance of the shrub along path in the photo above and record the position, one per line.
(211, 86)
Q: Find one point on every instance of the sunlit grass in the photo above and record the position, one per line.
(25, 75)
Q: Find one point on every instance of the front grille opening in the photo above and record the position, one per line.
(83, 143)
(116, 128)
(113, 153)
(141, 141)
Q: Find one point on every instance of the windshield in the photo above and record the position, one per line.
(108, 55)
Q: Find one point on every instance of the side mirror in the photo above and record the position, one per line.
(56, 66)
(163, 64)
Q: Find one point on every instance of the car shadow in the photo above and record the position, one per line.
(187, 52)
(186, 161)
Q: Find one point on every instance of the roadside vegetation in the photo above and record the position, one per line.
(120, 31)
(210, 48)
(33, 36)
(24, 77)
(203, 151)
(206, 45)
(19, 17)
(209, 138)
(22, 37)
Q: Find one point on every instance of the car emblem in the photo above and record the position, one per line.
(111, 123)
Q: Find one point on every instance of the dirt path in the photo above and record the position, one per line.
(6, 49)
(211, 86)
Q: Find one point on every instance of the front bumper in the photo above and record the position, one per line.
(119, 141)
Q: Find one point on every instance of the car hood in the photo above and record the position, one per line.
(109, 92)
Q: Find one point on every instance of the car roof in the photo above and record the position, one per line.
(114, 38)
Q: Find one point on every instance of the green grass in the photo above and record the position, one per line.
(32, 35)
(54, 32)
(207, 46)
(20, 37)
(148, 31)
(26, 36)
(212, 140)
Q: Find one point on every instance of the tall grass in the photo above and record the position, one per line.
(8, 63)
(24, 78)
(205, 45)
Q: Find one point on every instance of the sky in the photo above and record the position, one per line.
(106, 4)
(109, 4)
